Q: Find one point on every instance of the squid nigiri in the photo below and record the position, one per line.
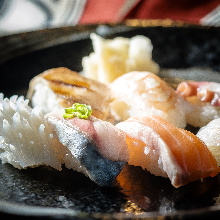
(138, 92)
(26, 139)
(29, 139)
(168, 151)
(210, 135)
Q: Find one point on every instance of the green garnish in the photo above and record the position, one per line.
(78, 110)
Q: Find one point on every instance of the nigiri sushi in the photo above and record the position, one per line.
(167, 151)
(210, 135)
(97, 146)
(138, 92)
(91, 146)
(60, 88)
(204, 99)
(26, 139)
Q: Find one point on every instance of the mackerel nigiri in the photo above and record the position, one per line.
(168, 151)
(97, 147)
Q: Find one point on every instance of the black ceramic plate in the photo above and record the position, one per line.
(46, 193)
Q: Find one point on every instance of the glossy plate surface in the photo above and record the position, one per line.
(46, 193)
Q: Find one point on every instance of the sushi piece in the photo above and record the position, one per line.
(210, 135)
(97, 147)
(204, 100)
(201, 113)
(205, 91)
(26, 139)
(91, 146)
(60, 88)
(165, 150)
(114, 57)
(138, 92)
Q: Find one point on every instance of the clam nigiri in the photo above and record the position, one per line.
(91, 146)
(210, 135)
(168, 151)
(204, 99)
(138, 92)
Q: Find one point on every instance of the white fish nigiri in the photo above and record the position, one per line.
(210, 135)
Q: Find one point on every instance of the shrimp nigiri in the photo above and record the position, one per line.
(168, 151)
(91, 146)
(138, 92)
(210, 135)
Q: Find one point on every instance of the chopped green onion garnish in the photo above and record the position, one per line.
(78, 110)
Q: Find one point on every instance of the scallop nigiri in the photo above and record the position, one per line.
(168, 151)
(210, 135)
(138, 92)
(91, 146)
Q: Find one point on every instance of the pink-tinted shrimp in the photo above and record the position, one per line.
(138, 92)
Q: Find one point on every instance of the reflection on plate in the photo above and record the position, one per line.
(182, 51)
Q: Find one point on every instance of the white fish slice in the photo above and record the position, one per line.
(26, 140)
(210, 135)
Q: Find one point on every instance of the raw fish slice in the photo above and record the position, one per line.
(60, 88)
(210, 135)
(99, 148)
(26, 140)
(168, 151)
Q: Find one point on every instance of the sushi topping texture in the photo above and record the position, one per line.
(26, 139)
(78, 110)
(204, 91)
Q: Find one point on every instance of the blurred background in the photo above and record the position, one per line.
(18, 16)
